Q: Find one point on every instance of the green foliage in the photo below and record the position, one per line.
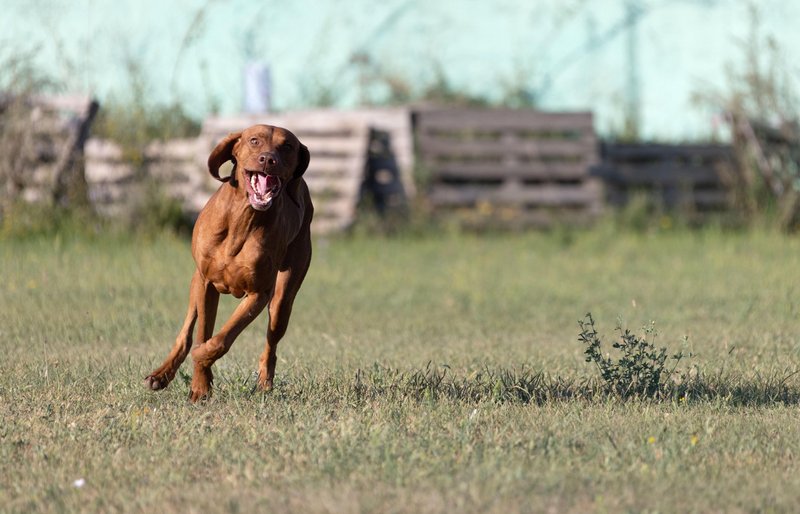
(760, 105)
(22, 220)
(157, 213)
(640, 370)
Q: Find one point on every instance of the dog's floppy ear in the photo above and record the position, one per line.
(221, 154)
(303, 158)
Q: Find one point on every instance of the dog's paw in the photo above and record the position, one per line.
(199, 396)
(200, 389)
(265, 386)
(156, 382)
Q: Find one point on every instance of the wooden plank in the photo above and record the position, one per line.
(545, 195)
(499, 119)
(322, 184)
(329, 166)
(530, 149)
(334, 146)
(174, 149)
(492, 170)
(78, 105)
(299, 123)
(622, 152)
(662, 173)
(102, 150)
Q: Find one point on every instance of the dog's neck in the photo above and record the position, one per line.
(241, 220)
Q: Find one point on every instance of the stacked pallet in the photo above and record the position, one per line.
(689, 178)
(118, 179)
(532, 166)
(42, 140)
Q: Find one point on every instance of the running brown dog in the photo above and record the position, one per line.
(252, 240)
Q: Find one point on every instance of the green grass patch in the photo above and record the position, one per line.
(419, 374)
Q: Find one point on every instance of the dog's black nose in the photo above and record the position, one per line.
(267, 159)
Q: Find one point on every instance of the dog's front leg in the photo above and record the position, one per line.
(202, 296)
(205, 354)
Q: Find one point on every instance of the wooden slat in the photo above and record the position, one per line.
(620, 152)
(494, 119)
(662, 173)
(542, 171)
(531, 149)
(546, 195)
(322, 183)
(675, 176)
(334, 146)
(175, 149)
(76, 104)
(329, 166)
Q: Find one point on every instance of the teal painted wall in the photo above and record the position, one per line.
(569, 54)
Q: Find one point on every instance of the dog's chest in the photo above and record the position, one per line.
(240, 268)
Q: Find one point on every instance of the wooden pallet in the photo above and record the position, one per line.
(115, 184)
(531, 165)
(47, 134)
(338, 143)
(692, 178)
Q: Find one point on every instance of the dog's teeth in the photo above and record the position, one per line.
(254, 182)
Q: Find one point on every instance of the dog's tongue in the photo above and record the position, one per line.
(261, 183)
(267, 183)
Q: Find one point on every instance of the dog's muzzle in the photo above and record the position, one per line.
(261, 189)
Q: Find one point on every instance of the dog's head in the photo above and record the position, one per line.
(265, 159)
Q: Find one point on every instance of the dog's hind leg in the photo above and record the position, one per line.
(287, 284)
(203, 301)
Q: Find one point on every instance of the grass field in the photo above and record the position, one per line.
(396, 383)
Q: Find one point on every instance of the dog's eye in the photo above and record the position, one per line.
(254, 141)
(286, 146)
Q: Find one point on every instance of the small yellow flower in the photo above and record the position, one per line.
(651, 440)
(693, 440)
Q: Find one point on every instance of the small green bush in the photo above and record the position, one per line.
(640, 371)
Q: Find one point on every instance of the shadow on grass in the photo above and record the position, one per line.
(519, 386)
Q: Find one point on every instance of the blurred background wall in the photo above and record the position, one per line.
(638, 64)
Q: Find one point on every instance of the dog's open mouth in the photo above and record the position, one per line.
(262, 189)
